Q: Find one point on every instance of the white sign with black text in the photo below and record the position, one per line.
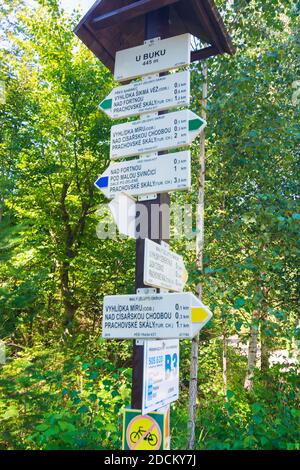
(152, 57)
(148, 96)
(163, 269)
(153, 316)
(154, 134)
(161, 374)
(147, 175)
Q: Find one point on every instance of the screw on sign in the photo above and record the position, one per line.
(144, 433)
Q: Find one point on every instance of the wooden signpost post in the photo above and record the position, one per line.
(149, 38)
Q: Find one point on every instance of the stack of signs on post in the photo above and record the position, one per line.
(148, 175)
(160, 318)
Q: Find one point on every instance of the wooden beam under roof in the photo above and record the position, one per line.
(204, 53)
(129, 12)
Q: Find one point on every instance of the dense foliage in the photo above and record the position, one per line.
(62, 386)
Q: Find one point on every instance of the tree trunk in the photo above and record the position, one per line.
(1, 208)
(193, 388)
(252, 354)
(67, 297)
(265, 348)
(265, 339)
(72, 236)
(225, 388)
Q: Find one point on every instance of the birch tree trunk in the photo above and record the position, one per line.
(252, 354)
(193, 388)
(265, 339)
(265, 346)
(225, 388)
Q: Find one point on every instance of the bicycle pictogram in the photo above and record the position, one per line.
(141, 433)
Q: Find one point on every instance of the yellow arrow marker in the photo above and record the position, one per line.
(199, 314)
(185, 276)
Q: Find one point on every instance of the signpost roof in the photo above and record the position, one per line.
(113, 25)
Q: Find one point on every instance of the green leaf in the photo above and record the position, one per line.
(42, 427)
(93, 397)
(10, 413)
(83, 409)
(257, 419)
(239, 302)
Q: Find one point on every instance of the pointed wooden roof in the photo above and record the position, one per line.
(113, 25)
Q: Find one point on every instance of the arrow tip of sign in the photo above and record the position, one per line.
(185, 276)
(200, 315)
(102, 182)
(195, 124)
(106, 104)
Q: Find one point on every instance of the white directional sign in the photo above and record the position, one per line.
(149, 95)
(161, 374)
(163, 268)
(164, 173)
(152, 57)
(123, 210)
(154, 134)
(161, 316)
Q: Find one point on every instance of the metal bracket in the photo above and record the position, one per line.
(152, 75)
(139, 342)
(143, 117)
(146, 291)
(147, 197)
(152, 41)
(149, 155)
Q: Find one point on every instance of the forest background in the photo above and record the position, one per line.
(62, 386)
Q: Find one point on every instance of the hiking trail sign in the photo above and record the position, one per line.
(161, 374)
(147, 175)
(148, 96)
(153, 316)
(163, 268)
(155, 133)
(152, 57)
(115, 34)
